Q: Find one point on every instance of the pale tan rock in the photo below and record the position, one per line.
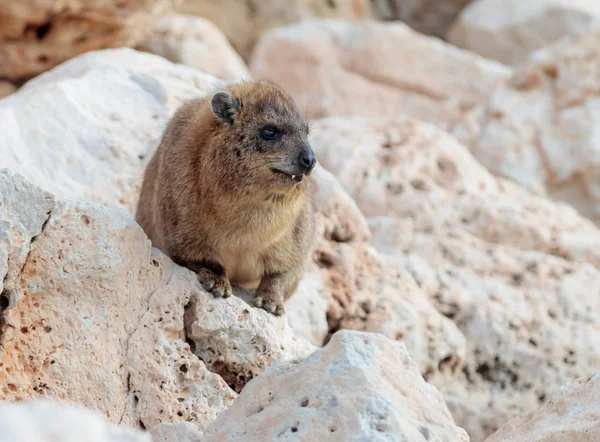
(179, 432)
(539, 128)
(570, 415)
(405, 168)
(373, 69)
(87, 128)
(44, 420)
(195, 42)
(370, 295)
(97, 318)
(510, 30)
(7, 88)
(481, 249)
(306, 311)
(243, 22)
(531, 320)
(361, 386)
(35, 35)
(426, 16)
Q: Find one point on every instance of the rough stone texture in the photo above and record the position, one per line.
(571, 415)
(373, 69)
(540, 128)
(407, 168)
(179, 432)
(195, 42)
(244, 21)
(426, 16)
(361, 386)
(23, 211)
(369, 295)
(97, 317)
(102, 155)
(238, 341)
(7, 88)
(510, 30)
(45, 420)
(481, 249)
(306, 310)
(37, 35)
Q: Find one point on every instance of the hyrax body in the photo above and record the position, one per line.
(228, 193)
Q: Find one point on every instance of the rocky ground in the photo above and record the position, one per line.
(454, 291)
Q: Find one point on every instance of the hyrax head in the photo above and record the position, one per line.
(267, 133)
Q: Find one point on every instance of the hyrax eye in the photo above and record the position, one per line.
(269, 133)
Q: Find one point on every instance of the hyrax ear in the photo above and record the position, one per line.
(225, 106)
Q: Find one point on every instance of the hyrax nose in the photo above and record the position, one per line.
(307, 160)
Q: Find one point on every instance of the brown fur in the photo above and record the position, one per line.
(212, 202)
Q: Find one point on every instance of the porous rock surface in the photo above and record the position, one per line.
(370, 68)
(370, 295)
(540, 127)
(44, 420)
(95, 316)
(115, 104)
(360, 386)
(570, 415)
(195, 42)
(37, 35)
(244, 21)
(483, 250)
(179, 432)
(510, 30)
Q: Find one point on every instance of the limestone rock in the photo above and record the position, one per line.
(373, 69)
(370, 295)
(45, 420)
(35, 36)
(7, 88)
(23, 211)
(510, 30)
(114, 103)
(481, 249)
(539, 128)
(360, 386)
(531, 320)
(179, 432)
(243, 22)
(195, 42)
(306, 309)
(570, 415)
(432, 17)
(238, 341)
(405, 168)
(98, 318)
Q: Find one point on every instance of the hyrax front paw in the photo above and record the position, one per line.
(270, 303)
(219, 286)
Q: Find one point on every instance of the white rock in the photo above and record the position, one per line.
(99, 318)
(373, 69)
(510, 30)
(360, 386)
(570, 415)
(86, 128)
(195, 42)
(540, 127)
(179, 432)
(480, 249)
(44, 420)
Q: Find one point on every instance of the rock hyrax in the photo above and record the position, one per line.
(228, 195)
